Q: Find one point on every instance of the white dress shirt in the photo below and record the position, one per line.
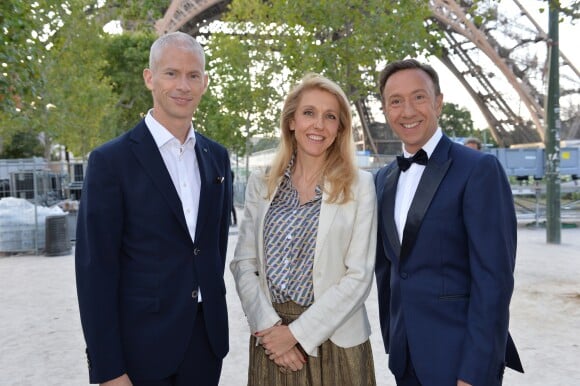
(408, 182)
(181, 163)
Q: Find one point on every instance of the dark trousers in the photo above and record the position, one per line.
(409, 378)
(200, 367)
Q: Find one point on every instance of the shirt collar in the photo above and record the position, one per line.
(288, 171)
(431, 144)
(161, 135)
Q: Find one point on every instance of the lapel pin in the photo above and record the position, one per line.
(219, 180)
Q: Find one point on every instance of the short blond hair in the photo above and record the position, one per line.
(177, 39)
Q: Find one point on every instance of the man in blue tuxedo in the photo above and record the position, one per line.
(152, 236)
(446, 245)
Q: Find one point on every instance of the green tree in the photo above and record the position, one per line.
(24, 26)
(127, 55)
(282, 40)
(456, 121)
(241, 102)
(77, 96)
(212, 119)
(22, 144)
(57, 87)
(135, 15)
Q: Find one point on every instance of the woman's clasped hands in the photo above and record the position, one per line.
(282, 348)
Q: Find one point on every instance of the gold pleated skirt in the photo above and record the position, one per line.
(334, 366)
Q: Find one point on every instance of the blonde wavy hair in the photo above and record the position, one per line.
(339, 169)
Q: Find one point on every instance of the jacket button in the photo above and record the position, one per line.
(404, 275)
(196, 251)
(194, 294)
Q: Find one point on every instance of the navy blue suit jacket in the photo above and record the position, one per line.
(137, 268)
(445, 290)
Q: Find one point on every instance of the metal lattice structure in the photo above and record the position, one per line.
(190, 15)
(499, 47)
(498, 53)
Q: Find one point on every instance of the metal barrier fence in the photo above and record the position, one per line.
(33, 190)
(532, 162)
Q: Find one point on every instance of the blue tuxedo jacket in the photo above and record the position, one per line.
(445, 290)
(137, 268)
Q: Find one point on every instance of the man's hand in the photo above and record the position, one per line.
(461, 383)
(123, 380)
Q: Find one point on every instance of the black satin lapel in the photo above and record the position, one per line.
(512, 357)
(430, 180)
(388, 208)
(147, 152)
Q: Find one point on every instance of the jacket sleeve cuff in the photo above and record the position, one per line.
(308, 346)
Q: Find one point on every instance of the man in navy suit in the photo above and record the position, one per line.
(152, 236)
(446, 245)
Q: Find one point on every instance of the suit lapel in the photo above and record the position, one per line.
(388, 208)
(264, 205)
(433, 174)
(145, 150)
(327, 214)
(205, 173)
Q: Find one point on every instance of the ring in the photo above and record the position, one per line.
(267, 352)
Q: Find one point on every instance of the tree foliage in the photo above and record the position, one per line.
(22, 144)
(80, 87)
(456, 121)
(60, 93)
(242, 101)
(66, 81)
(127, 55)
(25, 27)
(81, 95)
(265, 46)
(135, 15)
(568, 9)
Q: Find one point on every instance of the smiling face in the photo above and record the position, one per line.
(412, 107)
(177, 81)
(315, 123)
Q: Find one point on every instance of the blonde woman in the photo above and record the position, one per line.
(305, 256)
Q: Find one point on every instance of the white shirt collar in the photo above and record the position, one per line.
(431, 144)
(161, 135)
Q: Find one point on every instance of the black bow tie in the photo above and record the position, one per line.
(420, 157)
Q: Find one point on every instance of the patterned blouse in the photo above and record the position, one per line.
(290, 231)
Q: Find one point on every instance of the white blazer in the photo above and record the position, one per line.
(342, 272)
